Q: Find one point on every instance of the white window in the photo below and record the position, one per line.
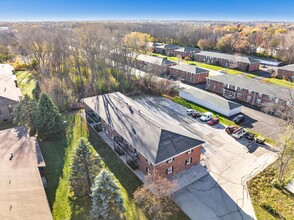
(169, 170)
(148, 171)
(148, 161)
(188, 161)
(258, 101)
(248, 98)
(239, 95)
(170, 160)
(190, 151)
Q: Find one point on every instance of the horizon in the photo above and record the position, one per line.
(188, 10)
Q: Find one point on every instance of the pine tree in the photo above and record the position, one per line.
(107, 202)
(36, 91)
(25, 112)
(86, 165)
(48, 119)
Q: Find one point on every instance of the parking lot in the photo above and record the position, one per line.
(222, 194)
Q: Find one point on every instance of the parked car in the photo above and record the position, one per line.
(230, 129)
(263, 66)
(196, 114)
(223, 71)
(239, 119)
(239, 133)
(213, 121)
(260, 139)
(206, 116)
(249, 136)
(191, 111)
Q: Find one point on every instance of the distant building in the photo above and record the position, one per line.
(154, 64)
(22, 195)
(166, 49)
(10, 94)
(6, 69)
(149, 141)
(242, 63)
(252, 91)
(286, 71)
(189, 73)
(211, 101)
(186, 51)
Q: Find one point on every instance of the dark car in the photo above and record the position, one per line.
(213, 121)
(249, 136)
(239, 119)
(196, 114)
(230, 129)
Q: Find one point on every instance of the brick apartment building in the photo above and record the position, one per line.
(148, 141)
(242, 63)
(166, 49)
(153, 64)
(9, 94)
(287, 71)
(248, 90)
(189, 73)
(186, 51)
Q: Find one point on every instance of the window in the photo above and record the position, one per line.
(148, 171)
(239, 95)
(169, 170)
(188, 161)
(258, 101)
(248, 98)
(148, 161)
(10, 109)
(170, 160)
(188, 152)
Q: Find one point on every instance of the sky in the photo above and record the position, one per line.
(224, 10)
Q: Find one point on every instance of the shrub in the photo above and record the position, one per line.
(271, 210)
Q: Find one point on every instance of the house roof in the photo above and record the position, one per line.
(288, 67)
(22, 195)
(212, 98)
(153, 136)
(189, 68)
(255, 85)
(8, 88)
(155, 60)
(6, 69)
(187, 49)
(242, 59)
(167, 46)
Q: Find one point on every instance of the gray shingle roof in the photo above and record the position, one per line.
(155, 60)
(255, 85)
(212, 98)
(168, 46)
(8, 88)
(187, 49)
(153, 136)
(243, 59)
(288, 67)
(189, 68)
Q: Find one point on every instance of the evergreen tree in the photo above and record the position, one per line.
(86, 165)
(25, 112)
(107, 202)
(48, 119)
(36, 91)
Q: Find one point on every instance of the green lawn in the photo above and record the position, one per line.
(222, 118)
(261, 191)
(26, 82)
(57, 157)
(280, 82)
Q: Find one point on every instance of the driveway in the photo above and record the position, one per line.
(222, 193)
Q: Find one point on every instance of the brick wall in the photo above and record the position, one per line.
(189, 77)
(286, 73)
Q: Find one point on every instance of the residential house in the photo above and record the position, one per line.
(151, 46)
(211, 101)
(252, 91)
(242, 63)
(6, 69)
(9, 96)
(189, 73)
(186, 51)
(286, 71)
(153, 64)
(22, 194)
(149, 141)
(166, 49)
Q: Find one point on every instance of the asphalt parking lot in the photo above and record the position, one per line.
(222, 193)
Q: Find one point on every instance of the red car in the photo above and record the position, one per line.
(231, 129)
(213, 121)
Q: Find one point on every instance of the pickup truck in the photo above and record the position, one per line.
(239, 133)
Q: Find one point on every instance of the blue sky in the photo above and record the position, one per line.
(239, 10)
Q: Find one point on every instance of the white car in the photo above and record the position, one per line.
(191, 111)
(206, 116)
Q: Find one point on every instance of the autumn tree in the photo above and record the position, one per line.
(226, 43)
(48, 120)
(154, 197)
(85, 166)
(137, 41)
(107, 202)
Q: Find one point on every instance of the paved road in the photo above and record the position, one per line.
(222, 194)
